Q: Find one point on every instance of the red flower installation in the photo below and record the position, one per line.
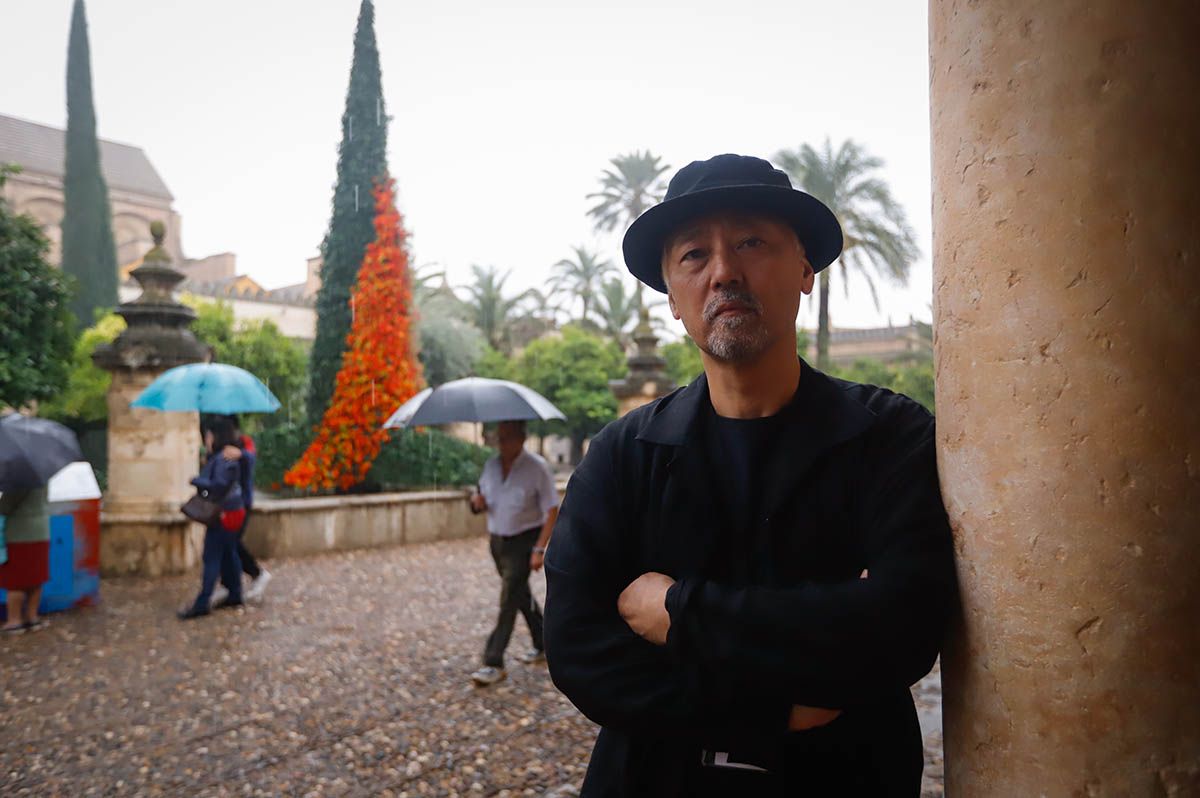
(380, 370)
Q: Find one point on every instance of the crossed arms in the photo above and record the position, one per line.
(647, 652)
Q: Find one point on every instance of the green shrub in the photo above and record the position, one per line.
(411, 460)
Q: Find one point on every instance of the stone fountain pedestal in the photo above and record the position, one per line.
(151, 455)
(647, 379)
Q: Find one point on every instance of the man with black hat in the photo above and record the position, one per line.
(748, 575)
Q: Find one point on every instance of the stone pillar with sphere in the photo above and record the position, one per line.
(152, 455)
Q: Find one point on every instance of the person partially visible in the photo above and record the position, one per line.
(246, 455)
(27, 537)
(517, 491)
(220, 477)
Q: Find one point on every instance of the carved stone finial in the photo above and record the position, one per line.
(158, 231)
(156, 334)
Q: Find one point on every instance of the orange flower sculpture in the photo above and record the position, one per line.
(379, 370)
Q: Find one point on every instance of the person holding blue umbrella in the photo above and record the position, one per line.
(220, 479)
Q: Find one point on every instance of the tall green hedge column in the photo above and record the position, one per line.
(88, 253)
(362, 159)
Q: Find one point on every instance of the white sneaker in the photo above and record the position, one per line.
(533, 656)
(220, 593)
(487, 675)
(258, 585)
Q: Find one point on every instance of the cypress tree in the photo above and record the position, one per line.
(88, 252)
(362, 161)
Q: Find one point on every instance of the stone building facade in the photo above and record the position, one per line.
(138, 196)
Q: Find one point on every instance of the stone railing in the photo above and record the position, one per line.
(154, 544)
(294, 527)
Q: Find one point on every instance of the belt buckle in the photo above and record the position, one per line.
(721, 759)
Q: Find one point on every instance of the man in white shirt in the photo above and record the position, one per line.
(517, 490)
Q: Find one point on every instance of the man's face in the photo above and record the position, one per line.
(511, 439)
(735, 280)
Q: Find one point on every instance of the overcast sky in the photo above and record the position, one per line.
(504, 114)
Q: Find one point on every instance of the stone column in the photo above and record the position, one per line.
(1066, 210)
(151, 455)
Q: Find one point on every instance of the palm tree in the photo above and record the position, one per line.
(878, 238)
(490, 310)
(632, 183)
(581, 277)
(617, 310)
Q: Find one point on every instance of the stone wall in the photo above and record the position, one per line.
(297, 527)
(149, 544)
(155, 544)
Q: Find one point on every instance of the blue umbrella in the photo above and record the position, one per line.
(208, 388)
(473, 399)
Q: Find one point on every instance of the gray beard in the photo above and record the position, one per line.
(737, 340)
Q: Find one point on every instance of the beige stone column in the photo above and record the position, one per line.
(1066, 209)
(152, 456)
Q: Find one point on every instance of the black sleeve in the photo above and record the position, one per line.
(610, 673)
(840, 644)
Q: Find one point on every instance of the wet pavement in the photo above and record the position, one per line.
(349, 679)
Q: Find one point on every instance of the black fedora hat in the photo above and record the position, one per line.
(725, 182)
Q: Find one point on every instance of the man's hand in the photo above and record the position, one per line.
(231, 453)
(536, 560)
(643, 605)
(478, 503)
(803, 718)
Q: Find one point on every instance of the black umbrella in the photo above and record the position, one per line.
(473, 399)
(32, 450)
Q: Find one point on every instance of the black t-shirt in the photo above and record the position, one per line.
(739, 451)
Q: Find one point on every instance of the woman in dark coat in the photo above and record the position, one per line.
(220, 477)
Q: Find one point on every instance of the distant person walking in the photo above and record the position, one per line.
(220, 477)
(27, 537)
(246, 455)
(517, 491)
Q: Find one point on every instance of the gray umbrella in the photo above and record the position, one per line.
(32, 450)
(473, 399)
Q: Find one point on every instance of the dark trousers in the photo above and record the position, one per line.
(512, 562)
(249, 564)
(220, 559)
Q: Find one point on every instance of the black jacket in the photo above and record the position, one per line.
(853, 486)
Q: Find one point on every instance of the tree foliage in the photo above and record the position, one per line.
(409, 460)
(496, 365)
(877, 235)
(493, 312)
(581, 277)
(914, 379)
(450, 347)
(617, 310)
(362, 160)
(260, 348)
(573, 371)
(379, 370)
(85, 397)
(631, 184)
(88, 252)
(683, 360)
(35, 321)
(628, 187)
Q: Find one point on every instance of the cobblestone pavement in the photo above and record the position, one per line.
(349, 680)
